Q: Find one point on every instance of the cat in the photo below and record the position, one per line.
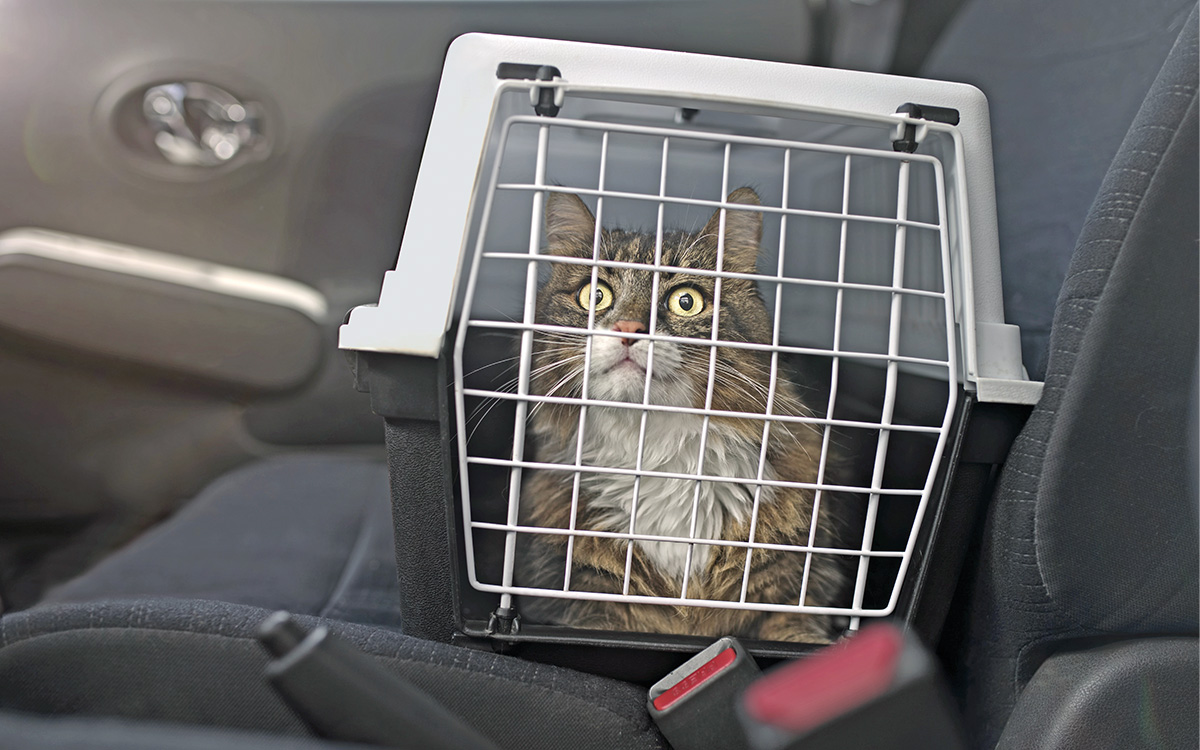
(672, 441)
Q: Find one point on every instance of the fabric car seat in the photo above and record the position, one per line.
(1064, 80)
(164, 630)
(1083, 620)
(310, 533)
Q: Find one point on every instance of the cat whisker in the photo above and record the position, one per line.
(781, 397)
(490, 365)
(696, 241)
(513, 359)
(508, 385)
(554, 365)
(782, 404)
(574, 372)
(480, 415)
(502, 315)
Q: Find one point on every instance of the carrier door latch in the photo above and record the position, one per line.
(909, 135)
(546, 100)
(504, 621)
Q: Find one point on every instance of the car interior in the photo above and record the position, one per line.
(198, 192)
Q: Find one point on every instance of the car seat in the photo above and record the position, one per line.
(165, 629)
(1082, 624)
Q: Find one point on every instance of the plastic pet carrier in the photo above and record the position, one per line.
(680, 344)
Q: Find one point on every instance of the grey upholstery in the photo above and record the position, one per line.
(1092, 534)
(196, 662)
(1064, 79)
(1132, 694)
(29, 732)
(163, 630)
(310, 533)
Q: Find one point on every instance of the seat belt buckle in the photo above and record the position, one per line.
(695, 706)
(879, 689)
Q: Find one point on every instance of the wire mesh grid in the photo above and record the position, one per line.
(762, 480)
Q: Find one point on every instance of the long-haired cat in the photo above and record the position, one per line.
(679, 377)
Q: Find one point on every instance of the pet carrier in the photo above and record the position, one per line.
(810, 252)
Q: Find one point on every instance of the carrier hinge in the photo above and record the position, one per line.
(504, 621)
(546, 100)
(909, 135)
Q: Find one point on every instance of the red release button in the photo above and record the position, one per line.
(710, 669)
(810, 692)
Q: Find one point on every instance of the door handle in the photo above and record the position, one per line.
(200, 125)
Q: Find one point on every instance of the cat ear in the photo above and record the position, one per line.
(743, 232)
(570, 226)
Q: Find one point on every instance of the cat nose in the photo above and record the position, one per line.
(629, 326)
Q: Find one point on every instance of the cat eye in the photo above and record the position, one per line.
(686, 301)
(602, 296)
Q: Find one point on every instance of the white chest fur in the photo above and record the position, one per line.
(665, 505)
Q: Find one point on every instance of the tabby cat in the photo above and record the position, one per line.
(622, 301)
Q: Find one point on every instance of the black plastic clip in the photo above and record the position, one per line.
(344, 694)
(907, 142)
(695, 706)
(504, 621)
(546, 100)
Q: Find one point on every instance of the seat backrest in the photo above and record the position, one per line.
(1092, 535)
(1064, 79)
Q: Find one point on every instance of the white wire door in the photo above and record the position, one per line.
(892, 354)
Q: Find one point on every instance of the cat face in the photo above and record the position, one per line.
(686, 306)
